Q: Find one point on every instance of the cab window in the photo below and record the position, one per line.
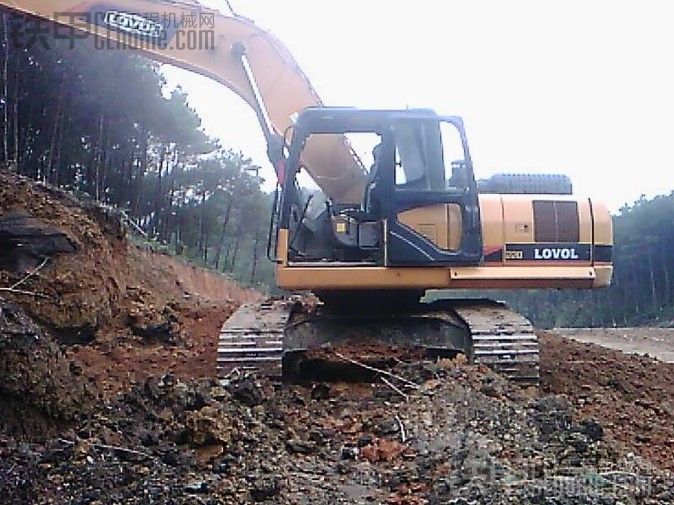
(430, 156)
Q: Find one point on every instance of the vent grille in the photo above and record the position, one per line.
(556, 221)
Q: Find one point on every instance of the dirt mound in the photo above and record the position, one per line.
(632, 395)
(104, 285)
(463, 435)
(125, 313)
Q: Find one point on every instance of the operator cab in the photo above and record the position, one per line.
(419, 197)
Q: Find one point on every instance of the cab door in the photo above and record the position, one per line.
(433, 214)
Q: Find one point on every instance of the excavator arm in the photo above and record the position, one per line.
(248, 60)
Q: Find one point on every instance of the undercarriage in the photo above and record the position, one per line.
(299, 340)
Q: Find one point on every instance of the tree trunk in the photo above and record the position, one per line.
(223, 234)
(654, 294)
(665, 270)
(256, 247)
(202, 246)
(158, 192)
(98, 155)
(5, 90)
(55, 130)
(15, 163)
(57, 158)
(237, 242)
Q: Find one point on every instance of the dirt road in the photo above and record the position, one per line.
(656, 342)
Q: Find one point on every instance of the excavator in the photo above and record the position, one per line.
(370, 240)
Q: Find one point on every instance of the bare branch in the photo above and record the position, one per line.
(394, 388)
(31, 274)
(403, 435)
(115, 448)
(383, 372)
(21, 292)
(133, 224)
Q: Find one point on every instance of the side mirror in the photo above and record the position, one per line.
(459, 177)
(276, 154)
(275, 149)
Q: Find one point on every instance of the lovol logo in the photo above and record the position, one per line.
(556, 253)
(133, 23)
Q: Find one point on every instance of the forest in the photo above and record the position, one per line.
(103, 124)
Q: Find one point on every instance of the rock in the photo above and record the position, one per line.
(552, 416)
(316, 436)
(25, 241)
(38, 389)
(365, 440)
(348, 452)
(209, 453)
(592, 430)
(154, 326)
(147, 438)
(296, 446)
(388, 427)
(320, 392)
(246, 392)
(196, 487)
(265, 488)
(382, 450)
(208, 426)
(170, 458)
(222, 468)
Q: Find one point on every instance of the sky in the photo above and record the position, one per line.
(580, 88)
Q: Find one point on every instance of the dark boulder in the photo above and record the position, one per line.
(25, 241)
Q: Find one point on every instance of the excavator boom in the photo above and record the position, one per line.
(229, 49)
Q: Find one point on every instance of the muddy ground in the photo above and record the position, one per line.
(107, 395)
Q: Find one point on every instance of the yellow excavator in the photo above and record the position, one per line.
(369, 239)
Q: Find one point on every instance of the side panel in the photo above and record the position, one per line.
(493, 232)
(441, 224)
(528, 230)
(603, 243)
(518, 221)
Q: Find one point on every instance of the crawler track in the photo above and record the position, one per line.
(253, 337)
(502, 339)
(259, 335)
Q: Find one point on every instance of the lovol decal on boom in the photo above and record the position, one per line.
(133, 23)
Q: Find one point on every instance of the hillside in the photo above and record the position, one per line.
(89, 284)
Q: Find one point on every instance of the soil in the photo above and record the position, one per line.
(438, 432)
(116, 366)
(655, 342)
(108, 395)
(107, 286)
(123, 312)
(632, 395)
